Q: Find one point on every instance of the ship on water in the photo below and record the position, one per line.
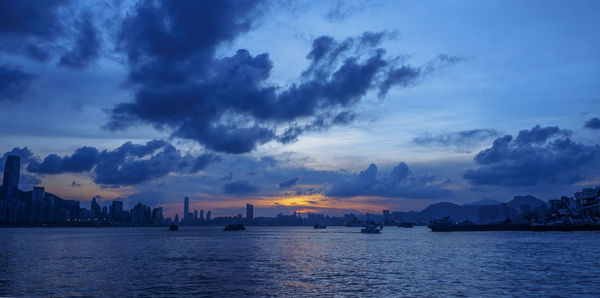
(578, 213)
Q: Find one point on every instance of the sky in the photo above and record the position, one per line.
(309, 106)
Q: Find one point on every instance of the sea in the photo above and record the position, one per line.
(296, 261)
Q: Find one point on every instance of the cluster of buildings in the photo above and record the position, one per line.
(583, 208)
(38, 207)
(192, 218)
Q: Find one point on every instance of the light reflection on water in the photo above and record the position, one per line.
(296, 261)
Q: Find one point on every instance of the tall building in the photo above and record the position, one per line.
(141, 215)
(38, 194)
(37, 205)
(116, 211)
(96, 210)
(195, 216)
(386, 215)
(207, 215)
(201, 216)
(186, 209)
(10, 182)
(249, 213)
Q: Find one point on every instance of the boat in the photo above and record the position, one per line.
(173, 227)
(319, 226)
(234, 227)
(370, 229)
(565, 227)
(405, 224)
(470, 227)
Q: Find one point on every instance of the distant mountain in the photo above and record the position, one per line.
(530, 200)
(483, 211)
(484, 202)
(456, 212)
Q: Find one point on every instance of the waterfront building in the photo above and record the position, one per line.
(96, 210)
(386, 215)
(186, 210)
(141, 215)
(249, 213)
(207, 215)
(10, 181)
(116, 212)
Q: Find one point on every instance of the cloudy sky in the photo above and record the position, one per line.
(313, 106)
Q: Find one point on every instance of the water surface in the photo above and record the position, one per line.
(296, 261)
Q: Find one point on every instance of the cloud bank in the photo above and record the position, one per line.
(541, 155)
(400, 183)
(228, 103)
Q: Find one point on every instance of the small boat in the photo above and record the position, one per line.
(173, 227)
(405, 224)
(234, 227)
(319, 226)
(370, 229)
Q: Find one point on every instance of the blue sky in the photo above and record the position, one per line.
(461, 76)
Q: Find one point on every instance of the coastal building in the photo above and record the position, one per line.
(116, 212)
(96, 210)
(186, 210)
(249, 213)
(10, 181)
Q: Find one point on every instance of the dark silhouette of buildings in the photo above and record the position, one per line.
(116, 212)
(96, 210)
(10, 181)
(249, 214)
(186, 210)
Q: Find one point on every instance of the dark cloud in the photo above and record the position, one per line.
(462, 140)
(86, 48)
(75, 184)
(133, 164)
(203, 161)
(593, 123)
(228, 104)
(288, 183)
(128, 164)
(539, 135)
(40, 30)
(537, 156)
(240, 187)
(29, 27)
(24, 155)
(401, 183)
(13, 82)
(83, 160)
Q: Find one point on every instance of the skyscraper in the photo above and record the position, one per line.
(96, 210)
(195, 216)
(37, 194)
(386, 215)
(186, 209)
(116, 211)
(249, 213)
(10, 182)
(201, 216)
(207, 215)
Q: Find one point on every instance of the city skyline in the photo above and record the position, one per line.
(19, 208)
(331, 108)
